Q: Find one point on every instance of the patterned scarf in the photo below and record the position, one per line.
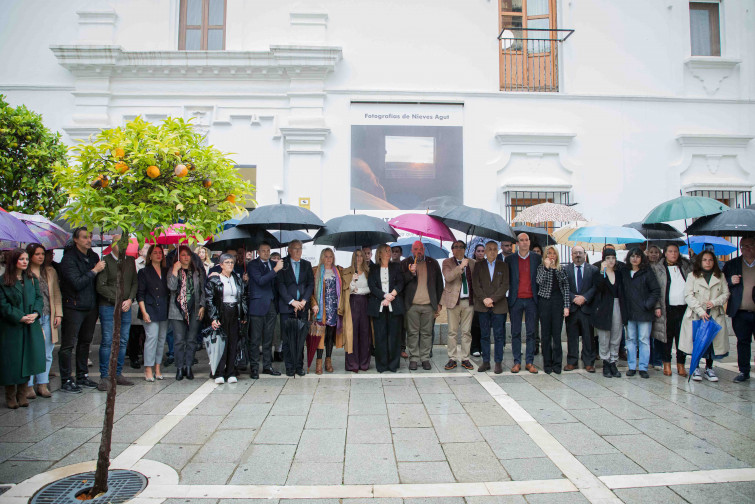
(320, 280)
(181, 298)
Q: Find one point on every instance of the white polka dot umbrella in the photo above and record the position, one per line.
(549, 212)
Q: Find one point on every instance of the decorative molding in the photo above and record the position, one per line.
(309, 18)
(104, 16)
(541, 186)
(535, 138)
(711, 71)
(713, 140)
(304, 140)
(81, 132)
(718, 186)
(280, 62)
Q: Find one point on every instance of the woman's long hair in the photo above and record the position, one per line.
(382, 249)
(365, 264)
(31, 249)
(187, 249)
(644, 263)
(207, 261)
(558, 256)
(149, 254)
(11, 271)
(322, 256)
(697, 266)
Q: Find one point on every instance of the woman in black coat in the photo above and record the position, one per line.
(226, 297)
(641, 291)
(153, 297)
(386, 308)
(608, 312)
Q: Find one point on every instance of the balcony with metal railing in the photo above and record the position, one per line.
(529, 58)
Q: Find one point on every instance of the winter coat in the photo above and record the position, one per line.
(214, 297)
(602, 303)
(696, 292)
(641, 293)
(662, 275)
(174, 284)
(106, 279)
(56, 304)
(22, 346)
(77, 280)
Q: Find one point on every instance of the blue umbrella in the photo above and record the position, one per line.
(720, 245)
(432, 247)
(704, 332)
(616, 235)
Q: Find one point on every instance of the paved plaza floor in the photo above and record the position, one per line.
(417, 437)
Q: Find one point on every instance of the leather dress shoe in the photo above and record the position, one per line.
(531, 368)
(631, 372)
(300, 372)
(741, 377)
(485, 366)
(570, 367)
(498, 368)
(590, 369)
(426, 365)
(413, 366)
(254, 374)
(289, 373)
(179, 374)
(517, 367)
(188, 373)
(271, 371)
(122, 380)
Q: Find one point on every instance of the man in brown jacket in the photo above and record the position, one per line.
(423, 288)
(459, 302)
(490, 282)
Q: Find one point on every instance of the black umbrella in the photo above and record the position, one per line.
(236, 237)
(654, 232)
(286, 237)
(354, 231)
(735, 222)
(280, 217)
(475, 221)
(537, 235)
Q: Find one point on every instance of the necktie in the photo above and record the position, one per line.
(296, 275)
(579, 279)
(463, 280)
(267, 268)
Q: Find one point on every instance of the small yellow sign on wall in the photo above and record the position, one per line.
(304, 203)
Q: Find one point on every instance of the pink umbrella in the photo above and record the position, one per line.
(423, 225)
(176, 233)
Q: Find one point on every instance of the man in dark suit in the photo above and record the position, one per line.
(523, 301)
(490, 281)
(740, 276)
(295, 285)
(581, 292)
(262, 310)
(423, 288)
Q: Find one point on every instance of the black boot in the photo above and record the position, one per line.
(614, 371)
(179, 374)
(606, 369)
(188, 373)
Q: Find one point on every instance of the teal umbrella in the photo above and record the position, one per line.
(684, 207)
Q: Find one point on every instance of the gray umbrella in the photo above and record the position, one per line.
(537, 235)
(475, 221)
(281, 217)
(735, 222)
(214, 343)
(652, 232)
(286, 237)
(354, 231)
(236, 237)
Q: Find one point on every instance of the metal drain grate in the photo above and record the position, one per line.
(122, 486)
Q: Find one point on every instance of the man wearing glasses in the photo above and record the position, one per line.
(740, 275)
(295, 283)
(457, 298)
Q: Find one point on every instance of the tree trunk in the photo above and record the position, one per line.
(103, 459)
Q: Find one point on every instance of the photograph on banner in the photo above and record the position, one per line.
(406, 156)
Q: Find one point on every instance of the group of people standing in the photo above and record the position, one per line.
(386, 309)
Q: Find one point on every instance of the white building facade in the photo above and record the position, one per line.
(385, 107)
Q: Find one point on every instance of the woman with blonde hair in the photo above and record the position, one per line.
(325, 301)
(204, 256)
(553, 305)
(386, 309)
(356, 324)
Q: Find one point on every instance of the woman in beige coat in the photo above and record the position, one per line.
(706, 293)
(51, 317)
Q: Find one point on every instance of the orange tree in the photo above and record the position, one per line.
(140, 178)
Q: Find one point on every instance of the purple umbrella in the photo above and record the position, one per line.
(13, 230)
(49, 234)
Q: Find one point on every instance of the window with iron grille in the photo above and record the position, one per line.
(733, 198)
(202, 25)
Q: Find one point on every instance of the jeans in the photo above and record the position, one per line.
(528, 308)
(498, 322)
(638, 331)
(744, 328)
(106, 323)
(77, 330)
(43, 378)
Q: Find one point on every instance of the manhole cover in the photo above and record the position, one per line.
(122, 486)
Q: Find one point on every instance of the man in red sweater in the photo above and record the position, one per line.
(523, 301)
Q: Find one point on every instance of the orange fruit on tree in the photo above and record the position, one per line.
(153, 172)
(181, 170)
(119, 153)
(231, 198)
(121, 167)
(207, 182)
